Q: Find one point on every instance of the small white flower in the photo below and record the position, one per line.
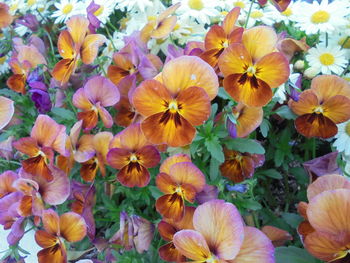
(134, 5)
(327, 60)
(342, 142)
(105, 10)
(288, 15)
(4, 65)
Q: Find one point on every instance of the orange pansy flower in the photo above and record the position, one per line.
(247, 118)
(323, 106)
(45, 137)
(182, 181)
(7, 110)
(132, 155)
(27, 58)
(167, 229)
(73, 44)
(5, 17)
(220, 37)
(69, 226)
(240, 166)
(252, 69)
(178, 100)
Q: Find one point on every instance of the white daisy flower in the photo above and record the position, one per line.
(201, 10)
(134, 4)
(243, 4)
(186, 30)
(15, 6)
(338, 38)
(68, 8)
(327, 59)
(322, 17)
(105, 10)
(288, 15)
(259, 15)
(342, 142)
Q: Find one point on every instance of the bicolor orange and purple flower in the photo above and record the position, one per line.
(132, 155)
(220, 236)
(7, 110)
(176, 101)
(46, 137)
(98, 93)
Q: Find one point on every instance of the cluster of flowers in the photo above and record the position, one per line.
(162, 72)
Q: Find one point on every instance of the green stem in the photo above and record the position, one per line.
(70, 102)
(313, 148)
(345, 41)
(112, 26)
(10, 162)
(286, 185)
(326, 39)
(248, 15)
(110, 38)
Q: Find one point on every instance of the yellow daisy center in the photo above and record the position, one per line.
(14, 7)
(2, 60)
(256, 14)
(327, 59)
(224, 13)
(239, 4)
(347, 128)
(31, 2)
(41, 9)
(318, 110)
(176, 27)
(287, 12)
(99, 11)
(67, 9)
(320, 17)
(196, 4)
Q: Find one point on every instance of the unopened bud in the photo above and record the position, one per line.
(299, 65)
(311, 72)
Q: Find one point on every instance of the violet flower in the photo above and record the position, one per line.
(29, 21)
(94, 21)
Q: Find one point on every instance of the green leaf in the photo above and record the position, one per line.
(279, 157)
(273, 173)
(213, 169)
(215, 149)
(251, 204)
(155, 192)
(264, 127)
(293, 255)
(285, 112)
(63, 114)
(292, 219)
(223, 94)
(245, 145)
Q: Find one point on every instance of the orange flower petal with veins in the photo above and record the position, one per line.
(321, 85)
(168, 162)
(164, 27)
(51, 222)
(165, 183)
(169, 252)
(171, 206)
(315, 125)
(45, 239)
(54, 254)
(90, 47)
(132, 138)
(72, 227)
(249, 118)
(235, 60)
(65, 45)
(88, 170)
(306, 103)
(63, 70)
(78, 27)
(187, 173)
(276, 235)
(215, 38)
(17, 82)
(37, 166)
(133, 175)
(5, 17)
(230, 20)
(337, 108)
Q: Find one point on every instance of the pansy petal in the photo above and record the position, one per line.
(27, 145)
(222, 227)
(249, 118)
(187, 71)
(320, 85)
(168, 128)
(7, 110)
(51, 222)
(133, 175)
(192, 244)
(324, 246)
(276, 235)
(149, 97)
(72, 226)
(63, 70)
(325, 183)
(132, 137)
(89, 118)
(81, 101)
(328, 212)
(101, 142)
(101, 89)
(259, 41)
(78, 27)
(45, 130)
(315, 125)
(65, 45)
(37, 166)
(118, 157)
(187, 173)
(17, 82)
(166, 230)
(169, 252)
(251, 91)
(164, 27)
(256, 247)
(88, 170)
(337, 108)
(306, 103)
(215, 38)
(45, 239)
(165, 183)
(273, 69)
(171, 206)
(90, 47)
(234, 60)
(149, 156)
(6, 180)
(54, 254)
(230, 20)
(168, 162)
(195, 105)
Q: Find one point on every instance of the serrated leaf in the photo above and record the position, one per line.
(245, 145)
(215, 149)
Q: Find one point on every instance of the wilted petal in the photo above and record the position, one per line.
(143, 233)
(276, 235)
(326, 164)
(222, 227)
(7, 110)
